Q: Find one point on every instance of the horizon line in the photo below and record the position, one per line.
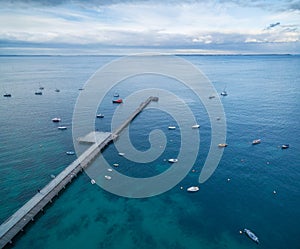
(159, 53)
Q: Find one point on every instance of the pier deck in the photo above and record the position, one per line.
(16, 223)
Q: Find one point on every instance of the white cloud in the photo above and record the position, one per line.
(191, 23)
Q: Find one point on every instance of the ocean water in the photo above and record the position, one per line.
(263, 102)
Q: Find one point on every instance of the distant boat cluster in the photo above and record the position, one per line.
(41, 88)
(255, 141)
(117, 99)
(39, 91)
(99, 115)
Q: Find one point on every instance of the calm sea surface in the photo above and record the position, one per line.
(263, 102)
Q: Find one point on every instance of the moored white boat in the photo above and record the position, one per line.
(256, 141)
(107, 177)
(56, 120)
(173, 160)
(193, 189)
(196, 126)
(172, 127)
(62, 127)
(224, 93)
(251, 235)
(70, 153)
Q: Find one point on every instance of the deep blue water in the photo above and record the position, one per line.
(263, 102)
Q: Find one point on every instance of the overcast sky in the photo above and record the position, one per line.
(223, 26)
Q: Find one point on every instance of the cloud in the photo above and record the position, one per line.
(272, 25)
(145, 23)
(294, 6)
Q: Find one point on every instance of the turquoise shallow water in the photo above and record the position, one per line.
(263, 102)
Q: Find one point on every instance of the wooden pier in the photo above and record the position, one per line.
(17, 222)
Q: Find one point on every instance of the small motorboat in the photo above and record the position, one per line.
(93, 181)
(70, 153)
(7, 95)
(62, 128)
(117, 101)
(256, 141)
(100, 115)
(107, 177)
(211, 97)
(285, 146)
(193, 189)
(41, 87)
(251, 235)
(38, 93)
(196, 126)
(172, 127)
(57, 90)
(173, 160)
(116, 95)
(121, 154)
(222, 145)
(116, 165)
(224, 93)
(81, 89)
(56, 120)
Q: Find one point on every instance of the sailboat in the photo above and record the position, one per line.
(41, 87)
(224, 93)
(6, 94)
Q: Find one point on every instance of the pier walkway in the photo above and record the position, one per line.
(16, 223)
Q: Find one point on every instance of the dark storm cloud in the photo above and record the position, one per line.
(272, 25)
